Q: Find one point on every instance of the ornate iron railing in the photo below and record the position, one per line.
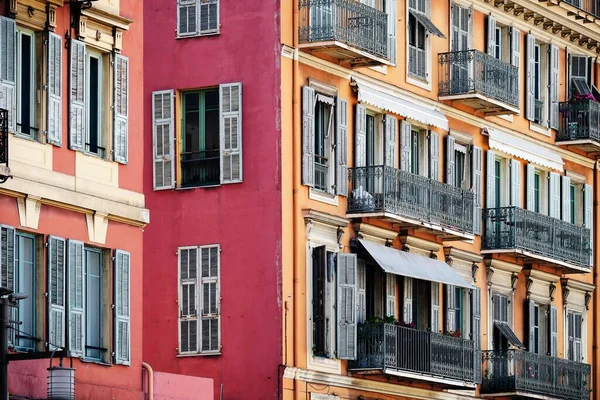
(516, 228)
(508, 371)
(538, 112)
(386, 189)
(398, 348)
(321, 175)
(475, 72)
(200, 168)
(347, 21)
(579, 120)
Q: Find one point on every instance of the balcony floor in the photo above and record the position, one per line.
(533, 257)
(346, 54)
(481, 103)
(589, 146)
(519, 395)
(441, 381)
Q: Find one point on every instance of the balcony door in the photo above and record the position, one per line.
(461, 63)
(321, 21)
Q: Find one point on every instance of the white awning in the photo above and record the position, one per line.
(402, 263)
(397, 103)
(525, 149)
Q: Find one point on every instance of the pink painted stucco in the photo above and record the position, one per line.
(244, 218)
(182, 387)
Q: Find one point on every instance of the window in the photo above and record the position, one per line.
(574, 336)
(197, 17)
(324, 155)
(93, 304)
(94, 141)
(536, 330)
(199, 300)
(419, 26)
(372, 140)
(417, 151)
(536, 190)
(579, 82)
(539, 101)
(498, 43)
(26, 84)
(322, 300)
(498, 182)
(460, 166)
(572, 202)
(25, 271)
(458, 310)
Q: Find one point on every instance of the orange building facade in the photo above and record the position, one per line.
(440, 182)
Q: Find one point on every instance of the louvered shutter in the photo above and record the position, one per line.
(554, 87)
(530, 187)
(515, 183)
(407, 305)
(435, 307)
(391, 26)
(346, 306)
(77, 118)
(209, 16)
(476, 307)
(8, 41)
(504, 309)
(211, 307)
(566, 198)
(390, 140)
(434, 156)
(121, 109)
(54, 89)
(554, 190)
(308, 135)
(588, 214)
(515, 59)
(491, 36)
(450, 160)
(341, 148)
(76, 277)
(477, 168)
(362, 291)
(490, 200)
(454, 26)
(163, 149)
(187, 17)
(405, 147)
(122, 316)
(450, 308)
(360, 141)
(56, 292)
(7, 257)
(390, 295)
(231, 132)
(530, 322)
(530, 94)
(188, 300)
(570, 336)
(553, 332)
(577, 337)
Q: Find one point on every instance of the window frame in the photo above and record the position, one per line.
(34, 132)
(583, 339)
(198, 32)
(102, 138)
(465, 182)
(328, 144)
(412, 77)
(33, 285)
(102, 351)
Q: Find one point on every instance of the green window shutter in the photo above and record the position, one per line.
(390, 140)
(56, 292)
(8, 41)
(210, 299)
(341, 148)
(308, 135)
(77, 124)
(346, 306)
(121, 109)
(54, 90)
(188, 300)
(122, 324)
(477, 167)
(209, 16)
(76, 282)
(231, 132)
(187, 17)
(163, 147)
(515, 183)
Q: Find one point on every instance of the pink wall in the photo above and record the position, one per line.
(245, 219)
(182, 387)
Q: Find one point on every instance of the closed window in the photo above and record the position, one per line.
(197, 17)
(574, 336)
(26, 84)
(25, 265)
(94, 348)
(94, 142)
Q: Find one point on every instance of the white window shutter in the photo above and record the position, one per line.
(476, 334)
(477, 167)
(187, 17)
(450, 308)
(121, 109)
(77, 118)
(362, 291)
(530, 311)
(554, 190)
(435, 307)
(163, 148)
(8, 48)
(577, 337)
(346, 306)
(434, 156)
(554, 86)
(390, 295)
(188, 300)
(210, 265)
(76, 290)
(308, 136)
(208, 16)
(407, 305)
(530, 94)
(515, 47)
(390, 141)
(530, 187)
(54, 90)
(56, 292)
(515, 183)
(341, 148)
(566, 198)
(7, 257)
(490, 201)
(360, 141)
(588, 214)
(122, 323)
(491, 36)
(405, 147)
(231, 132)
(450, 158)
(392, 21)
(553, 332)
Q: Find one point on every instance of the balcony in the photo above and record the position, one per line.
(346, 30)
(200, 168)
(406, 352)
(410, 200)
(579, 125)
(536, 237)
(479, 81)
(521, 374)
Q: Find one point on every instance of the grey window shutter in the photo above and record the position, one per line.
(187, 17)
(529, 314)
(491, 36)
(362, 291)
(530, 187)
(530, 97)
(54, 90)
(490, 201)
(566, 198)
(570, 336)
(341, 148)
(121, 109)
(8, 41)
(405, 147)
(391, 26)
(390, 140)
(435, 307)
(554, 87)
(577, 337)
(588, 215)
(434, 156)
(209, 16)
(476, 334)
(515, 183)
(308, 136)
(553, 332)
(450, 308)
(390, 295)
(7, 256)
(76, 290)
(515, 47)
(122, 316)
(360, 141)
(211, 299)
(230, 105)
(554, 190)
(346, 306)
(56, 292)
(477, 167)
(450, 160)
(188, 300)
(77, 118)
(407, 306)
(163, 149)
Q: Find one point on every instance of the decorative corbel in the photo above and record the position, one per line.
(118, 40)
(528, 284)
(565, 294)
(82, 27)
(432, 255)
(588, 298)
(13, 7)
(308, 225)
(405, 248)
(449, 261)
(489, 276)
(51, 17)
(340, 235)
(389, 243)
(551, 290)
(474, 271)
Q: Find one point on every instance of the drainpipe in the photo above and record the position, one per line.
(295, 150)
(596, 383)
(150, 373)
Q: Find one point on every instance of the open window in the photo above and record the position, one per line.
(419, 28)
(27, 123)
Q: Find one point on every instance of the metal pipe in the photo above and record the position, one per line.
(150, 373)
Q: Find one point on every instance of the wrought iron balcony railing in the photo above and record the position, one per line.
(538, 112)
(200, 168)
(393, 348)
(507, 371)
(475, 72)
(390, 190)
(347, 21)
(523, 230)
(579, 120)
(589, 6)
